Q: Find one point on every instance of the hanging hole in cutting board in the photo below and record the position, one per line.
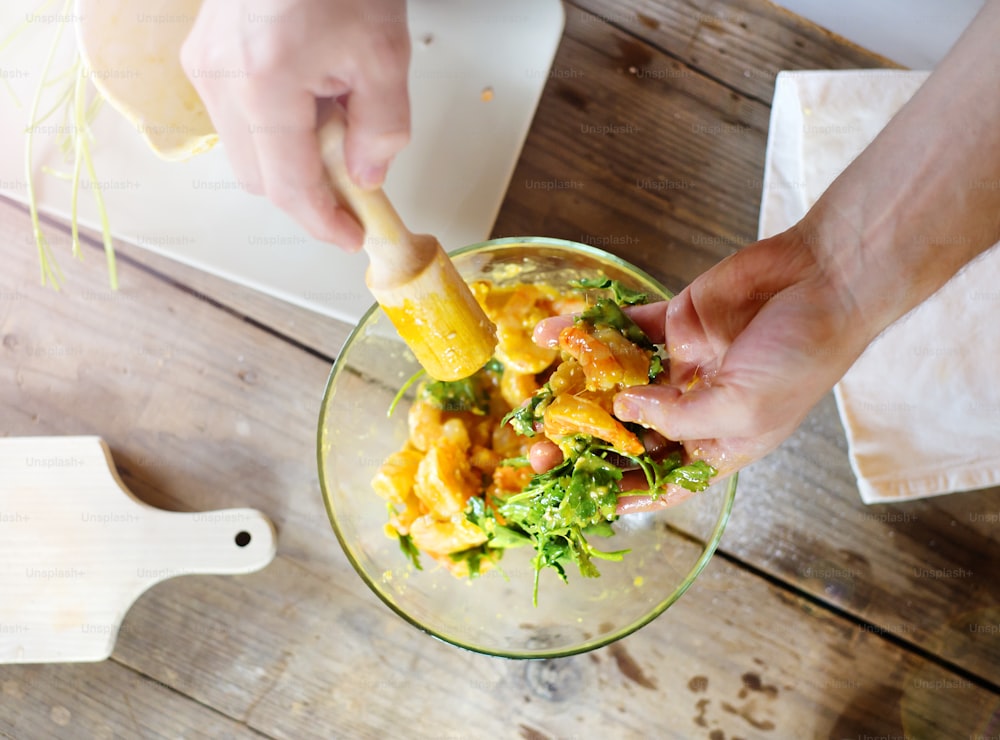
(242, 539)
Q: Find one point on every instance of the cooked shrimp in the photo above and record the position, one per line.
(445, 480)
(509, 479)
(400, 520)
(394, 479)
(525, 306)
(425, 424)
(509, 443)
(447, 536)
(484, 459)
(608, 359)
(568, 415)
(516, 388)
(568, 378)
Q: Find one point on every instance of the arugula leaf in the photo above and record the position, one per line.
(410, 550)
(655, 366)
(468, 394)
(474, 557)
(624, 296)
(693, 476)
(457, 395)
(557, 509)
(524, 418)
(607, 312)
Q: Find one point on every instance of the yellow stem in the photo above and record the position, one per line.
(82, 130)
(44, 253)
(78, 145)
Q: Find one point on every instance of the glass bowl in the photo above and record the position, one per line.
(493, 614)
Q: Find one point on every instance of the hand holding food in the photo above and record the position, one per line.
(753, 344)
(264, 69)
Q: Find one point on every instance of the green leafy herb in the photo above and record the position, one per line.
(457, 395)
(560, 509)
(623, 296)
(694, 476)
(608, 313)
(524, 418)
(468, 394)
(557, 508)
(655, 366)
(410, 550)
(402, 391)
(474, 557)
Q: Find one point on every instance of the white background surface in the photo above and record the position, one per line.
(449, 182)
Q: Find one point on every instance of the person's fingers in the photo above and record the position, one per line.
(378, 109)
(546, 333)
(292, 169)
(204, 72)
(640, 503)
(650, 317)
(544, 456)
(238, 144)
(717, 411)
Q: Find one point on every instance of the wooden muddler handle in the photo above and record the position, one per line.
(411, 277)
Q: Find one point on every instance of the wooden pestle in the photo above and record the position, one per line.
(411, 277)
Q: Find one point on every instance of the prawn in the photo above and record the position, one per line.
(568, 415)
(608, 359)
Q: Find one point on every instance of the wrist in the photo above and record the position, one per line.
(921, 201)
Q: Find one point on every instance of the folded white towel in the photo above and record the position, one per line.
(921, 407)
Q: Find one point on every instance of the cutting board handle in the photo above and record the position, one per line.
(77, 548)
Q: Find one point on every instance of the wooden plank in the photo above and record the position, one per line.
(798, 513)
(350, 669)
(102, 700)
(666, 171)
(203, 411)
(742, 43)
(922, 571)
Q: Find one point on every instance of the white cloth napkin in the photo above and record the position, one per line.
(921, 406)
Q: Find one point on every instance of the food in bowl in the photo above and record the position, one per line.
(493, 614)
(464, 488)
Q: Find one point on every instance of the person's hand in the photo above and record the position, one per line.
(264, 68)
(758, 339)
(753, 344)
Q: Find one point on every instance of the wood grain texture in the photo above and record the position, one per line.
(741, 43)
(819, 618)
(798, 514)
(102, 701)
(324, 334)
(223, 412)
(663, 171)
(924, 572)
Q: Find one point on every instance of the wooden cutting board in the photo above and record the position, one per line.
(77, 548)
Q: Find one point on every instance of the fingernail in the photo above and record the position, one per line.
(626, 409)
(371, 176)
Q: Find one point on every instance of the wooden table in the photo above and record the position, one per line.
(819, 617)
